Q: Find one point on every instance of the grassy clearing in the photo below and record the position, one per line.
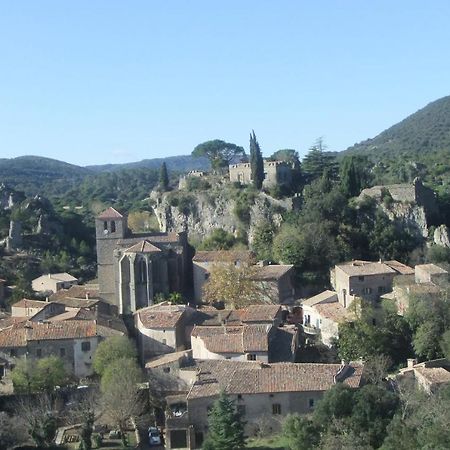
(275, 442)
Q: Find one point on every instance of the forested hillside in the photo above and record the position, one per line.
(425, 131)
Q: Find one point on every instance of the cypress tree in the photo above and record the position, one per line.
(256, 162)
(226, 430)
(163, 178)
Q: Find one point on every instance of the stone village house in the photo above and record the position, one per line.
(262, 392)
(74, 341)
(275, 279)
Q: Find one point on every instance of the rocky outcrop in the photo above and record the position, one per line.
(413, 206)
(207, 212)
(441, 236)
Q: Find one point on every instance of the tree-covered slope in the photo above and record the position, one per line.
(181, 163)
(35, 174)
(425, 131)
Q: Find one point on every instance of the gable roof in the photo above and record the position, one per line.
(224, 256)
(63, 276)
(240, 377)
(333, 311)
(432, 269)
(271, 272)
(399, 267)
(234, 339)
(259, 313)
(143, 247)
(110, 213)
(361, 268)
(19, 334)
(160, 316)
(323, 297)
(26, 303)
(77, 291)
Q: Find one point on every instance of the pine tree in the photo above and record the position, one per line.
(226, 430)
(163, 178)
(256, 162)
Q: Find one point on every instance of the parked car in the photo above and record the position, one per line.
(154, 436)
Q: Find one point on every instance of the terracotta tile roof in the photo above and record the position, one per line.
(271, 272)
(26, 303)
(259, 313)
(323, 297)
(333, 311)
(143, 247)
(432, 269)
(19, 334)
(110, 213)
(239, 339)
(361, 268)
(434, 375)
(156, 238)
(6, 322)
(240, 377)
(224, 256)
(165, 359)
(399, 267)
(158, 316)
(70, 302)
(63, 276)
(77, 291)
(215, 317)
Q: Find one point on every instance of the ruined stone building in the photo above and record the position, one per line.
(275, 173)
(133, 268)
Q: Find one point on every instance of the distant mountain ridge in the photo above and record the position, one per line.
(181, 163)
(425, 131)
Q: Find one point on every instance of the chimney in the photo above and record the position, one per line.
(411, 362)
(87, 295)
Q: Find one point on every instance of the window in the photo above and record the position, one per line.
(276, 408)
(62, 352)
(367, 290)
(13, 353)
(164, 341)
(361, 278)
(85, 346)
(113, 227)
(311, 403)
(105, 226)
(251, 357)
(239, 396)
(241, 410)
(380, 289)
(38, 352)
(166, 370)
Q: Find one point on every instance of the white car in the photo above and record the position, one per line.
(154, 436)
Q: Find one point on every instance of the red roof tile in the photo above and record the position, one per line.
(110, 213)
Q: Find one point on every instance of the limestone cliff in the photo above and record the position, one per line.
(414, 206)
(199, 213)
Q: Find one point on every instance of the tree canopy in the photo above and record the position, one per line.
(220, 153)
(225, 427)
(112, 349)
(256, 162)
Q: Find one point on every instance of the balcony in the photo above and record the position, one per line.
(311, 330)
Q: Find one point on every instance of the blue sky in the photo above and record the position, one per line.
(93, 82)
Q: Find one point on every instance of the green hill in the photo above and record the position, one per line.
(425, 131)
(181, 163)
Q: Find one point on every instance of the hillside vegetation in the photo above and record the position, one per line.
(425, 131)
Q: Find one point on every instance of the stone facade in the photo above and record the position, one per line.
(133, 268)
(275, 173)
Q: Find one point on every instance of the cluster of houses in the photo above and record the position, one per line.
(193, 352)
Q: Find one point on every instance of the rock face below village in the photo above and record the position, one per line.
(202, 212)
(414, 207)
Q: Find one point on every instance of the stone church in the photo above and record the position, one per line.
(133, 268)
